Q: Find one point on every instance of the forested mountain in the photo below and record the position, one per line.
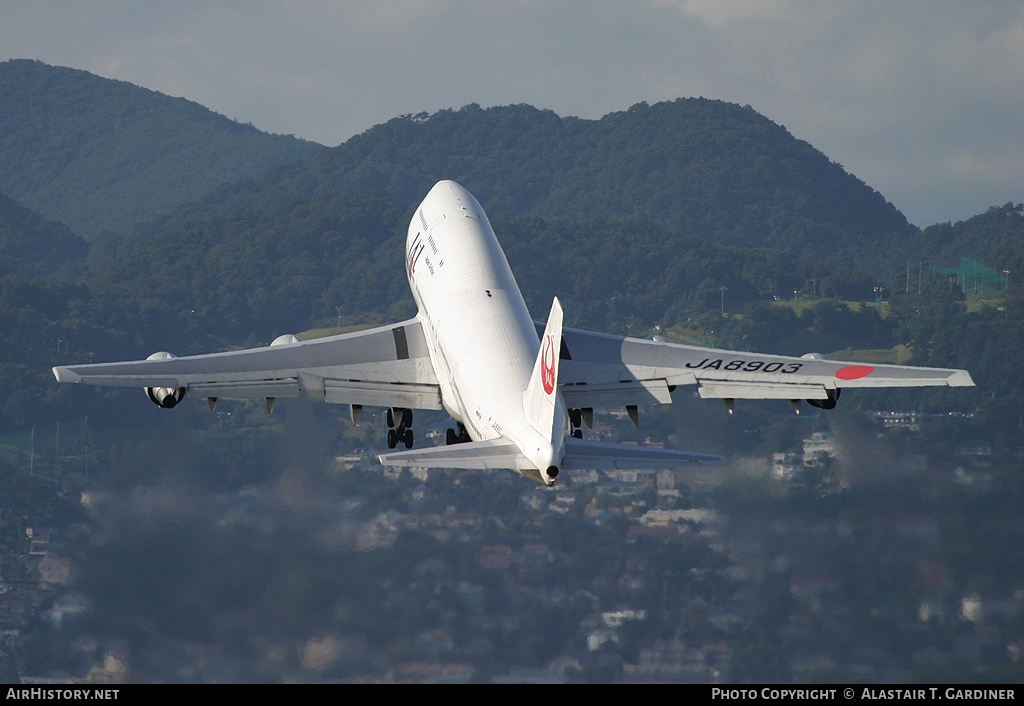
(99, 155)
(104, 155)
(705, 168)
(992, 236)
(33, 245)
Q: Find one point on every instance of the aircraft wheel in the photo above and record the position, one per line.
(391, 418)
(575, 418)
(451, 437)
(577, 433)
(392, 438)
(408, 438)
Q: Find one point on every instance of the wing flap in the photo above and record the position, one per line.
(266, 388)
(725, 389)
(617, 394)
(373, 394)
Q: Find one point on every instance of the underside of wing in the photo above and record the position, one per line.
(387, 366)
(601, 370)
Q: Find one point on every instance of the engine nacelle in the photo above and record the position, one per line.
(833, 395)
(165, 397)
(829, 403)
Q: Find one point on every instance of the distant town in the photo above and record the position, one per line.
(795, 566)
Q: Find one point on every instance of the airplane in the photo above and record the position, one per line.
(518, 391)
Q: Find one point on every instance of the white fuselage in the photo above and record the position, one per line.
(482, 340)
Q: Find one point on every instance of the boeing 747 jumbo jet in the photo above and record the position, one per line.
(518, 392)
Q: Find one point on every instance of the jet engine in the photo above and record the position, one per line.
(829, 403)
(165, 397)
(833, 395)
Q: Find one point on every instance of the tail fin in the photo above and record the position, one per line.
(542, 391)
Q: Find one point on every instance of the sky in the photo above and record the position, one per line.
(921, 99)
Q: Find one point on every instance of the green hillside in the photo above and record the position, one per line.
(705, 168)
(33, 245)
(100, 155)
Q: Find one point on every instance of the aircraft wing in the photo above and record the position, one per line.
(387, 367)
(601, 370)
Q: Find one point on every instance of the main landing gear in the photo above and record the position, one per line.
(576, 419)
(399, 433)
(457, 437)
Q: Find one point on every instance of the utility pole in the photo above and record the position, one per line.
(722, 290)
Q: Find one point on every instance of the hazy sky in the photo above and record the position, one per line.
(922, 99)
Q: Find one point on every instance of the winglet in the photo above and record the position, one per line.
(960, 378)
(541, 393)
(65, 375)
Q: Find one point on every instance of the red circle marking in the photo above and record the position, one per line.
(547, 365)
(854, 372)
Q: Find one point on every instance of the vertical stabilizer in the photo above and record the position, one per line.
(540, 398)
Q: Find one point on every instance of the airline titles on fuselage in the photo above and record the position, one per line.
(416, 249)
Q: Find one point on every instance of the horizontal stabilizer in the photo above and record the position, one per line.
(581, 454)
(491, 453)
